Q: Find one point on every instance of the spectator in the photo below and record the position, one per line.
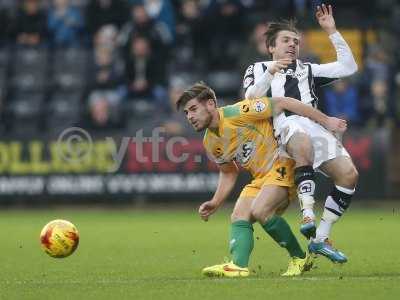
(161, 11)
(4, 24)
(375, 84)
(106, 36)
(379, 92)
(190, 50)
(293, 8)
(107, 69)
(141, 23)
(255, 49)
(106, 88)
(224, 20)
(105, 12)
(282, 8)
(29, 26)
(65, 24)
(105, 109)
(145, 73)
(175, 123)
(300, 7)
(341, 100)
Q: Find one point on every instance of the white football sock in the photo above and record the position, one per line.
(325, 226)
(332, 213)
(305, 192)
(308, 210)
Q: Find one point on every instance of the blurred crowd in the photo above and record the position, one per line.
(107, 64)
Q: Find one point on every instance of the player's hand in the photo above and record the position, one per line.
(336, 124)
(207, 209)
(278, 65)
(325, 18)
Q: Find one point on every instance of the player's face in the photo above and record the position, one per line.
(198, 114)
(287, 45)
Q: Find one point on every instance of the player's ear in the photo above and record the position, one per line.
(211, 102)
(271, 49)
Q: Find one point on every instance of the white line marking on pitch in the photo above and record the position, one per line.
(145, 280)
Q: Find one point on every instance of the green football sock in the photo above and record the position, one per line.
(280, 231)
(241, 242)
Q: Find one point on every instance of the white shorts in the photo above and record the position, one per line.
(326, 145)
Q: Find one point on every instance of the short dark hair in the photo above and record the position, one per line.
(273, 28)
(200, 91)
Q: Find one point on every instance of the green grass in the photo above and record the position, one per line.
(145, 254)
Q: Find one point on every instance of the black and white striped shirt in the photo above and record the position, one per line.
(300, 79)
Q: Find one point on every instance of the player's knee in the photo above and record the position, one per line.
(235, 217)
(261, 214)
(281, 209)
(349, 176)
(354, 176)
(238, 216)
(257, 215)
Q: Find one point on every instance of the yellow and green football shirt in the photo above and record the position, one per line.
(245, 135)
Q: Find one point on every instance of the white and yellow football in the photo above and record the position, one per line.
(59, 238)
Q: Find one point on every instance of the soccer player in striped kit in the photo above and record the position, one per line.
(310, 145)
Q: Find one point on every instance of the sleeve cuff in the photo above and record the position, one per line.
(335, 36)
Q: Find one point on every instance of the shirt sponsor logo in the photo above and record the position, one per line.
(245, 108)
(294, 74)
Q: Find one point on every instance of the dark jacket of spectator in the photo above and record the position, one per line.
(141, 24)
(29, 26)
(107, 71)
(103, 12)
(142, 68)
(224, 21)
(191, 38)
(4, 27)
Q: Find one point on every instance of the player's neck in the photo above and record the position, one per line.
(278, 58)
(214, 125)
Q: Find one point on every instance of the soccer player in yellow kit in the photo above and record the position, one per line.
(243, 134)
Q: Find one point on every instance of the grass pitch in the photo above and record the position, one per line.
(156, 254)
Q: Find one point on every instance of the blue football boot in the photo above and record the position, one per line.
(308, 228)
(325, 248)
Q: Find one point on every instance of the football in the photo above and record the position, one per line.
(59, 238)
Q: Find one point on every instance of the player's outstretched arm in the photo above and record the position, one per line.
(280, 104)
(228, 173)
(345, 63)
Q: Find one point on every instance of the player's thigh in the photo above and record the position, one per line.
(342, 171)
(270, 200)
(242, 209)
(326, 145)
(300, 148)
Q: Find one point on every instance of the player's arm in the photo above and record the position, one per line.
(345, 63)
(257, 82)
(279, 104)
(228, 173)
